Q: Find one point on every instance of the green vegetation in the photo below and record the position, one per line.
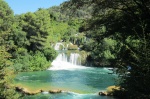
(108, 33)
(27, 40)
(6, 70)
(119, 33)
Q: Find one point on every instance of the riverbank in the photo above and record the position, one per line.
(33, 91)
(28, 91)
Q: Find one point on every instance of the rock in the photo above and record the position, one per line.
(55, 91)
(29, 92)
(19, 89)
(110, 90)
(42, 90)
(26, 91)
(103, 93)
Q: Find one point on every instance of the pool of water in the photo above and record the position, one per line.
(76, 83)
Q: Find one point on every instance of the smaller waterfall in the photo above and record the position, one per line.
(75, 59)
(61, 57)
(64, 62)
(57, 46)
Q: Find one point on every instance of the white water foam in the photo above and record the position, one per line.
(57, 46)
(62, 62)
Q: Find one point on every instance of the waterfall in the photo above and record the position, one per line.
(61, 46)
(61, 57)
(57, 46)
(64, 62)
(75, 59)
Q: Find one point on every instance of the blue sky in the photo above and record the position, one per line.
(23, 6)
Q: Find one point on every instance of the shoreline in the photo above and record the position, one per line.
(29, 91)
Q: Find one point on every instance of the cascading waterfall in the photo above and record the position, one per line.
(57, 46)
(61, 46)
(75, 59)
(64, 62)
(62, 57)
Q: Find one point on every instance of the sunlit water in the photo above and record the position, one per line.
(77, 82)
(86, 82)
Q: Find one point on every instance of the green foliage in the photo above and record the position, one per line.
(38, 62)
(72, 10)
(6, 71)
(35, 28)
(6, 17)
(31, 62)
(127, 22)
(19, 36)
(6, 24)
(70, 32)
(78, 38)
(7, 91)
(57, 14)
(102, 53)
(49, 53)
(84, 56)
(26, 40)
(33, 36)
(59, 29)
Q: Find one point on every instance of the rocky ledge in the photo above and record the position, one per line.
(109, 91)
(102, 93)
(27, 92)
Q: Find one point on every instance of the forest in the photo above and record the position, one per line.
(113, 32)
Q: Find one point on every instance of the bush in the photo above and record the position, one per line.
(33, 62)
(50, 54)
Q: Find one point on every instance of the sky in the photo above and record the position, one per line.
(23, 6)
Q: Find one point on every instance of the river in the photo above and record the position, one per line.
(76, 81)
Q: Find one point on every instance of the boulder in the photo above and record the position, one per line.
(110, 90)
(103, 93)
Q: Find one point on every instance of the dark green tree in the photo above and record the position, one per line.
(37, 27)
(6, 71)
(127, 22)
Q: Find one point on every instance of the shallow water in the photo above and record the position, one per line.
(68, 96)
(67, 74)
(77, 83)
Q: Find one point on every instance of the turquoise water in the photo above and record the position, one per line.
(76, 83)
(68, 96)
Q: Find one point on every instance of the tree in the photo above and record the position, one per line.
(127, 22)
(37, 28)
(6, 70)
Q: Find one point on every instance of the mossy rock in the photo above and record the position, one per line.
(110, 90)
(72, 47)
(55, 91)
(103, 93)
(26, 91)
(61, 47)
